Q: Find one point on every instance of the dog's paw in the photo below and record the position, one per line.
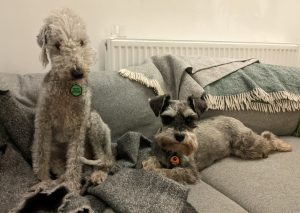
(43, 185)
(98, 177)
(151, 164)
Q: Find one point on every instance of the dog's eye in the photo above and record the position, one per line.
(57, 45)
(167, 119)
(82, 43)
(190, 121)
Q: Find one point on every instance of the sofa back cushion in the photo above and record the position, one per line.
(122, 104)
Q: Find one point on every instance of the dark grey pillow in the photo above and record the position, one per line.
(17, 121)
(16, 175)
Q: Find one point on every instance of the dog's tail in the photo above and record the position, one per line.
(276, 143)
(98, 162)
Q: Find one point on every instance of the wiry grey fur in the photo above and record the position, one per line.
(63, 121)
(202, 142)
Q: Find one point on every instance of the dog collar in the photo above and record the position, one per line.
(76, 90)
(175, 159)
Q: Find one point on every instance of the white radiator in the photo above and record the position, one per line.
(127, 52)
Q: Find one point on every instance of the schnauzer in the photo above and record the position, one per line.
(185, 145)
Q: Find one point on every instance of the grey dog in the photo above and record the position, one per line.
(65, 123)
(185, 145)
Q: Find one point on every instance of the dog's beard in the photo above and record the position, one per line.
(167, 142)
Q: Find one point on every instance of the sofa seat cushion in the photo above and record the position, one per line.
(206, 199)
(267, 185)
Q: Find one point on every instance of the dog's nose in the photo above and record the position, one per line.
(76, 73)
(179, 137)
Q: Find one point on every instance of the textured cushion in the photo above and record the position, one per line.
(13, 165)
(267, 185)
(123, 104)
(18, 123)
(206, 199)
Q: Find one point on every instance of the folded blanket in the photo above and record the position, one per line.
(259, 87)
(127, 189)
(227, 84)
(182, 76)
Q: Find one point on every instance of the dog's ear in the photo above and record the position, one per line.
(159, 103)
(42, 39)
(197, 104)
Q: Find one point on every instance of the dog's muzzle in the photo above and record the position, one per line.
(77, 73)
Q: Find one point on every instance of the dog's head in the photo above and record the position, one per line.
(179, 120)
(65, 44)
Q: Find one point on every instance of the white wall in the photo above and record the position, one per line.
(222, 20)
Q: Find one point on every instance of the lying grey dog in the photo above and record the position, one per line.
(185, 145)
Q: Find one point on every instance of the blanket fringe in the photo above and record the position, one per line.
(257, 100)
(142, 79)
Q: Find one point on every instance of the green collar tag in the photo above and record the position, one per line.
(76, 90)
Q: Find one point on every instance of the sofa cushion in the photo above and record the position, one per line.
(267, 185)
(122, 104)
(207, 199)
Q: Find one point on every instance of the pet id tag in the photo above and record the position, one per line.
(76, 90)
(174, 161)
(180, 160)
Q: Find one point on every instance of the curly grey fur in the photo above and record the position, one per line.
(205, 141)
(62, 120)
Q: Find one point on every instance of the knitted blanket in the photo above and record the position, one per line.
(259, 87)
(225, 84)
(182, 76)
(127, 189)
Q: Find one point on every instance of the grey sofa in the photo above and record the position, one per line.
(230, 185)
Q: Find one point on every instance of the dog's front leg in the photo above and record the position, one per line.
(99, 138)
(75, 151)
(41, 149)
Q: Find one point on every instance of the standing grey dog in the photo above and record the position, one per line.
(184, 145)
(64, 123)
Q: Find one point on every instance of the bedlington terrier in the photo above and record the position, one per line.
(66, 128)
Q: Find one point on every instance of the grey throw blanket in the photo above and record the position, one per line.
(182, 76)
(229, 84)
(127, 189)
(259, 87)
